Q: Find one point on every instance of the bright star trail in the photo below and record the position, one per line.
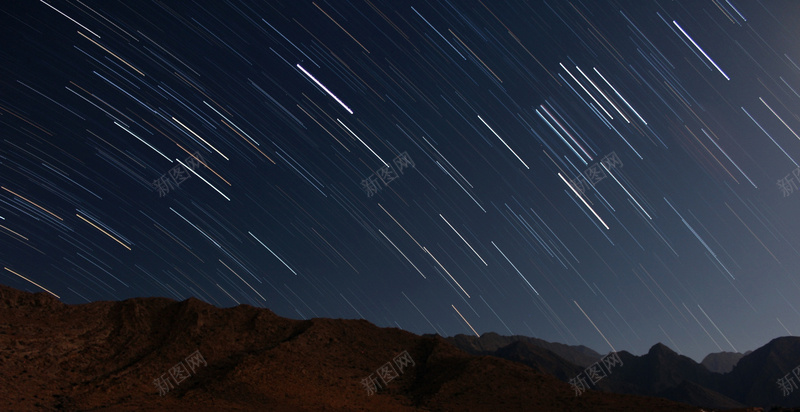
(506, 158)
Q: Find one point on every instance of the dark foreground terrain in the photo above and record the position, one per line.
(106, 356)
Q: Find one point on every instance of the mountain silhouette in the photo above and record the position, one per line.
(722, 362)
(115, 355)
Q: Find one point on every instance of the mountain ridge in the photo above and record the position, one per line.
(109, 356)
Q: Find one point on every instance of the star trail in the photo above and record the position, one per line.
(588, 172)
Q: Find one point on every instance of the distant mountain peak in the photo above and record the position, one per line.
(721, 362)
(661, 349)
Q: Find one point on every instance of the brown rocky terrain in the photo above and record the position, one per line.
(105, 356)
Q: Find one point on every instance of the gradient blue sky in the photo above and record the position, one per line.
(492, 101)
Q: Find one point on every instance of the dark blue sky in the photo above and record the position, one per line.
(416, 164)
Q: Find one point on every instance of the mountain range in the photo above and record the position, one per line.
(723, 381)
(158, 354)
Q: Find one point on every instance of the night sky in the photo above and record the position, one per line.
(606, 173)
